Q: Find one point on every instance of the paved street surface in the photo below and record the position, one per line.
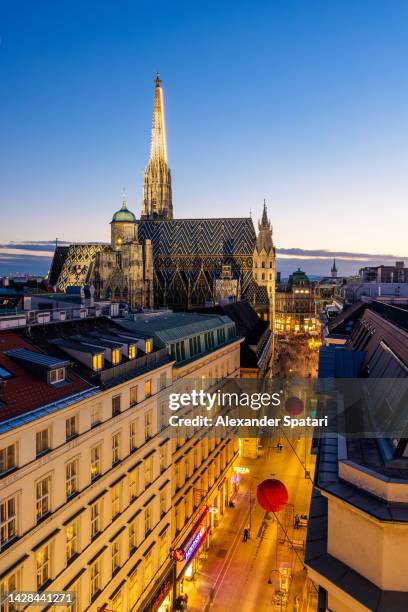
(241, 575)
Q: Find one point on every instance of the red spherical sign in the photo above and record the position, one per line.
(272, 495)
(178, 554)
(294, 406)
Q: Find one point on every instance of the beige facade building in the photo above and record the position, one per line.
(96, 491)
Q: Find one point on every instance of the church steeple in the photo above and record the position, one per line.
(157, 194)
(334, 269)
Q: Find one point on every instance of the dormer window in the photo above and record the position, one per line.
(115, 356)
(5, 374)
(56, 376)
(132, 351)
(148, 348)
(97, 362)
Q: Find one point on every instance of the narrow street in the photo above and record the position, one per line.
(244, 575)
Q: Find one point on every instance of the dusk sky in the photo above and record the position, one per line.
(302, 103)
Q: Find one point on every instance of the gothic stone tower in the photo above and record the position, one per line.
(264, 266)
(157, 197)
(124, 271)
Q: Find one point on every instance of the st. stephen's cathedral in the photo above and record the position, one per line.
(161, 260)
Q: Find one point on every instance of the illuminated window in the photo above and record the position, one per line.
(43, 565)
(148, 388)
(8, 520)
(11, 583)
(43, 494)
(132, 353)
(96, 461)
(148, 347)
(115, 356)
(115, 448)
(97, 362)
(72, 539)
(71, 477)
(133, 484)
(96, 577)
(8, 458)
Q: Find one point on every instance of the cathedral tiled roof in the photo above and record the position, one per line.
(228, 236)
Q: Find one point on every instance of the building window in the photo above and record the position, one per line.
(96, 578)
(163, 504)
(96, 415)
(115, 448)
(43, 565)
(148, 470)
(148, 425)
(163, 552)
(76, 589)
(43, 502)
(148, 388)
(116, 602)
(8, 520)
(42, 441)
(133, 539)
(8, 458)
(132, 351)
(162, 381)
(115, 556)
(162, 455)
(115, 405)
(72, 534)
(115, 356)
(133, 589)
(96, 461)
(10, 584)
(148, 520)
(148, 569)
(133, 395)
(71, 477)
(96, 518)
(116, 495)
(71, 427)
(133, 484)
(56, 376)
(97, 362)
(133, 435)
(148, 346)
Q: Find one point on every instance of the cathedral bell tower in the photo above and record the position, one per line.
(264, 265)
(157, 196)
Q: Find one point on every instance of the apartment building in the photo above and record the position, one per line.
(358, 526)
(206, 350)
(96, 492)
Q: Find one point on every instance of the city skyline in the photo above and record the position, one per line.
(235, 135)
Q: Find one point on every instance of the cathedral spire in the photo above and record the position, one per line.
(157, 194)
(265, 224)
(158, 148)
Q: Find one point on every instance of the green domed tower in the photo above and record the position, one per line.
(123, 226)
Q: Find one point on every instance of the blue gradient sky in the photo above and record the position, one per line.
(303, 103)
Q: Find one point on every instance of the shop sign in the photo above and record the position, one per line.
(197, 540)
(161, 595)
(178, 554)
(241, 470)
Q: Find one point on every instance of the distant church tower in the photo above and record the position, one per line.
(157, 197)
(264, 265)
(334, 269)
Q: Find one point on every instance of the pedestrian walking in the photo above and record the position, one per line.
(246, 535)
(297, 522)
